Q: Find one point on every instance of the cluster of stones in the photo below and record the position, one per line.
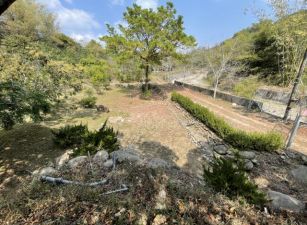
(102, 159)
(221, 150)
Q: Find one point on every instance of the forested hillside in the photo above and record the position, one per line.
(269, 51)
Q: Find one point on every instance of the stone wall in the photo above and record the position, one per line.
(248, 103)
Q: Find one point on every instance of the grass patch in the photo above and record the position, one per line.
(242, 140)
(247, 87)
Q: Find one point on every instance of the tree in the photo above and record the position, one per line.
(150, 35)
(5, 4)
(219, 59)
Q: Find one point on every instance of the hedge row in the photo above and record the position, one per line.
(242, 140)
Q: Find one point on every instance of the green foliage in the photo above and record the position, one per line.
(228, 176)
(70, 136)
(151, 36)
(242, 140)
(103, 139)
(84, 141)
(16, 103)
(247, 87)
(88, 102)
(33, 72)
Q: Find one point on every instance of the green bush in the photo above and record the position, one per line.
(103, 139)
(88, 102)
(70, 135)
(228, 177)
(237, 138)
(84, 141)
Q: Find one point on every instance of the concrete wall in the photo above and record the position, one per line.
(248, 103)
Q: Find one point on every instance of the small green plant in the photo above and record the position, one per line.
(103, 139)
(228, 176)
(70, 135)
(88, 102)
(146, 95)
(84, 141)
(242, 140)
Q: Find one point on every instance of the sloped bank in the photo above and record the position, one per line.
(242, 140)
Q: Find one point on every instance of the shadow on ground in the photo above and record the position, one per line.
(22, 150)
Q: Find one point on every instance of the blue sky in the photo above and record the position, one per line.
(209, 21)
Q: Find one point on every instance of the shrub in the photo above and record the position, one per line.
(88, 102)
(237, 138)
(247, 87)
(228, 177)
(84, 141)
(70, 135)
(103, 139)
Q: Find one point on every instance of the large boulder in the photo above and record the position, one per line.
(280, 201)
(100, 157)
(300, 174)
(125, 156)
(76, 162)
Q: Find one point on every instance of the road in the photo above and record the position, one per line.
(241, 119)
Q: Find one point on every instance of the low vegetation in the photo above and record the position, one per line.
(84, 141)
(228, 177)
(247, 87)
(242, 140)
(88, 102)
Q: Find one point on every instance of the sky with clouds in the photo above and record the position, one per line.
(209, 21)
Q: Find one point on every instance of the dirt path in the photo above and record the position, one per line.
(241, 119)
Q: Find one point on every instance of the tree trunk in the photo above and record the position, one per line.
(295, 86)
(4, 4)
(215, 87)
(146, 78)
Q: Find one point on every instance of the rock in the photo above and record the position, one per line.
(48, 171)
(247, 155)
(63, 159)
(125, 156)
(118, 214)
(255, 161)
(248, 165)
(300, 174)
(304, 159)
(108, 163)
(76, 162)
(157, 163)
(221, 149)
(281, 201)
(159, 220)
(100, 157)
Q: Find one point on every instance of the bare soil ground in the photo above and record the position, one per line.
(242, 119)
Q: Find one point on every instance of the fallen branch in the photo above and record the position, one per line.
(59, 181)
(124, 188)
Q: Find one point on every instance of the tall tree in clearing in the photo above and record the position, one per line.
(151, 35)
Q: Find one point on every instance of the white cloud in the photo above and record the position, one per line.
(118, 2)
(86, 37)
(153, 4)
(69, 1)
(146, 4)
(77, 23)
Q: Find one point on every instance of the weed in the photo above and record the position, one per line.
(228, 176)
